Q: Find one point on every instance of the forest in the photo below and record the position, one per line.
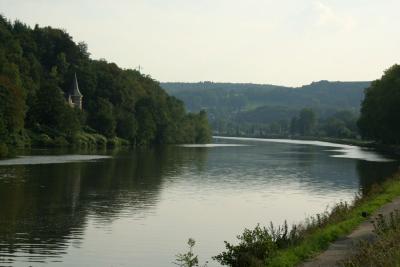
(380, 110)
(37, 66)
(263, 110)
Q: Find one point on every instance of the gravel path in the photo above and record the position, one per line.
(341, 249)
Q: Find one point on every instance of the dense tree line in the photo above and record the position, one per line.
(305, 123)
(235, 107)
(323, 95)
(380, 111)
(37, 67)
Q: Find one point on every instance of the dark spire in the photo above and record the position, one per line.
(75, 90)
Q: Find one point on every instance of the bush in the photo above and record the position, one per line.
(188, 259)
(254, 248)
(385, 251)
(60, 141)
(43, 140)
(100, 140)
(259, 246)
(116, 141)
(3, 150)
(83, 139)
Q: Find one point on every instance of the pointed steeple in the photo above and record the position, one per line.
(75, 89)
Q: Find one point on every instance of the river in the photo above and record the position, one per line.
(138, 208)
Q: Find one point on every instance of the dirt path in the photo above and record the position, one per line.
(341, 249)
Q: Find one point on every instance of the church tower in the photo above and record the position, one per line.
(75, 96)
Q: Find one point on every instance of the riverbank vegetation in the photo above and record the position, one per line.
(290, 245)
(385, 251)
(37, 67)
(381, 109)
(319, 110)
(262, 110)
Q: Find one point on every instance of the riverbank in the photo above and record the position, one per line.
(323, 237)
(86, 140)
(279, 246)
(383, 148)
(79, 140)
(391, 150)
(344, 251)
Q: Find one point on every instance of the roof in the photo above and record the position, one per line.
(75, 88)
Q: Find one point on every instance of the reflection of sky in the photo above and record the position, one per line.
(33, 160)
(346, 151)
(139, 208)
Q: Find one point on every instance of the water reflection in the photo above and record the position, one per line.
(42, 207)
(50, 211)
(375, 172)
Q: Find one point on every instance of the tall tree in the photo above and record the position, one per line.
(380, 110)
(50, 110)
(307, 121)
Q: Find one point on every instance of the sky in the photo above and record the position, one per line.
(285, 42)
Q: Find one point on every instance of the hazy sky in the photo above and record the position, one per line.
(286, 42)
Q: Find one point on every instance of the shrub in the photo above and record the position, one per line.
(258, 247)
(60, 141)
(100, 140)
(188, 259)
(3, 150)
(83, 139)
(44, 140)
(254, 248)
(385, 251)
(116, 141)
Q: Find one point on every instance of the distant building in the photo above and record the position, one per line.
(75, 96)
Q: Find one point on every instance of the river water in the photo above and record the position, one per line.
(138, 208)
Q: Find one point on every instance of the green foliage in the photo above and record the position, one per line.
(37, 67)
(381, 108)
(202, 130)
(12, 109)
(84, 140)
(265, 110)
(3, 150)
(43, 140)
(261, 246)
(305, 123)
(283, 247)
(385, 251)
(103, 119)
(60, 141)
(51, 110)
(188, 259)
(117, 142)
(254, 248)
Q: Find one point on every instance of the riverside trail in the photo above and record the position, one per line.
(345, 246)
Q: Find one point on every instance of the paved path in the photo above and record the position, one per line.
(340, 249)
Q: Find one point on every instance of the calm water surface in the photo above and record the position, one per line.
(137, 208)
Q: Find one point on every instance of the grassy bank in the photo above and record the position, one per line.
(289, 246)
(320, 239)
(81, 140)
(385, 251)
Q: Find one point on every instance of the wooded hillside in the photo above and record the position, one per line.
(37, 67)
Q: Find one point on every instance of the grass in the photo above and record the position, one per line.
(385, 251)
(320, 238)
(281, 246)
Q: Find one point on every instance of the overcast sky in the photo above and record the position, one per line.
(285, 42)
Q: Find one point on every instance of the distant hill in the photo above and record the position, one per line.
(240, 103)
(240, 96)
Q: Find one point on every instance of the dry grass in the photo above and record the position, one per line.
(385, 251)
